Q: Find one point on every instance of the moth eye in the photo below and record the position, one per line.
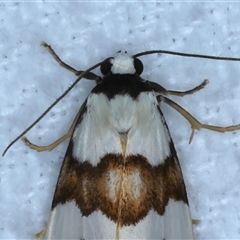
(106, 67)
(138, 66)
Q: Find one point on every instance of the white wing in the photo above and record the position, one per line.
(120, 178)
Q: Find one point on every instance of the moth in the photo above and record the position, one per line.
(121, 177)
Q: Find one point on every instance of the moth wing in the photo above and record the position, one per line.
(120, 178)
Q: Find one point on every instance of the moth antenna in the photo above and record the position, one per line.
(186, 55)
(51, 106)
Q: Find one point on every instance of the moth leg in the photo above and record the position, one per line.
(89, 75)
(51, 146)
(41, 233)
(195, 221)
(195, 124)
(158, 88)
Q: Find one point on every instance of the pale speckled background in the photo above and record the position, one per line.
(86, 33)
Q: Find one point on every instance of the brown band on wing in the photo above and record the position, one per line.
(125, 190)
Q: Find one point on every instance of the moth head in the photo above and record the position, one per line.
(122, 63)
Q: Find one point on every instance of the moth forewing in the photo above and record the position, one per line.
(122, 192)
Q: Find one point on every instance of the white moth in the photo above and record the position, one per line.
(121, 178)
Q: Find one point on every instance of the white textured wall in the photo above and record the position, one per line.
(86, 33)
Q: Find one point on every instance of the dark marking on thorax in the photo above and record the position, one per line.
(122, 84)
